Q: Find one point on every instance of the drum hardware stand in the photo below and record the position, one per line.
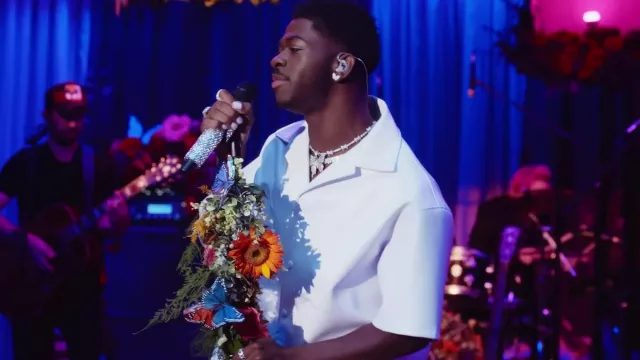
(553, 245)
(601, 201)
(495, 342)
(603, 187)
(560, 262)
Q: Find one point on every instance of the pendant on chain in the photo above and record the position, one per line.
(318, 163)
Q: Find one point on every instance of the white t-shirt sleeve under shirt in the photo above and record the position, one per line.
(249, 171)
(412, 272)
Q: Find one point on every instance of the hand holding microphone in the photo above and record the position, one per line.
(220, 121)
(228, 113)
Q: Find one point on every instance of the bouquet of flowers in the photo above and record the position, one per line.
(458, 340)
(230, 250)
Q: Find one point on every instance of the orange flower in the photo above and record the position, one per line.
(255, 256)
(198, 230)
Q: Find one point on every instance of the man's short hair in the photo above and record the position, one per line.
(347, 24)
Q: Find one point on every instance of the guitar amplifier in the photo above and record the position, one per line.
(158, 208)
(140, 275)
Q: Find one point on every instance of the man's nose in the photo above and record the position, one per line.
(278, 61)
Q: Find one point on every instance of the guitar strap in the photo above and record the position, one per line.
(88, 176)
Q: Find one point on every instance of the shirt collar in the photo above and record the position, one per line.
(378, 150)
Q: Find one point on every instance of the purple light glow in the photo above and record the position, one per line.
(573, 15)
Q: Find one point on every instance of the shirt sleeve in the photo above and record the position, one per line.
(12, 175)
(412, 271)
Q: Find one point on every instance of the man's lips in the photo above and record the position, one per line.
(277, 80)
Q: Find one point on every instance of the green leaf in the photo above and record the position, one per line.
(190, 292)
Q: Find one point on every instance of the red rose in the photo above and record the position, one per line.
(252, 328)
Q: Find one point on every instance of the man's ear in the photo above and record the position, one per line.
(344, 64)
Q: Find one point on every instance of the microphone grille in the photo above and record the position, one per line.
(245, 92)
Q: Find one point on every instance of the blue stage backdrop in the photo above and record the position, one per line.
(150, 62)
(41, 43)
(470, 145)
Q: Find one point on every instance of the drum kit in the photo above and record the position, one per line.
(544, 281)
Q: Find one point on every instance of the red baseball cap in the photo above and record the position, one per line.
(68, 99)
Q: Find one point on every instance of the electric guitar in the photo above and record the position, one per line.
(68, 232)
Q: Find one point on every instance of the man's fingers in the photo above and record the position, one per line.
(241, 107)
(222, 107)
(224, 95)
(226, 113)
(221, 119)
(253, 351)
(209, 124)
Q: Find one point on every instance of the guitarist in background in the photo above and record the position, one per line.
(62, 171)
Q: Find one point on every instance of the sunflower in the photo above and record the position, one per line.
(254, 256)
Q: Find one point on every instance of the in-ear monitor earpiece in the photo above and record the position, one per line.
(342, 65)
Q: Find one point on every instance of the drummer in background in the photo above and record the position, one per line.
(510, 210)
(499, 212)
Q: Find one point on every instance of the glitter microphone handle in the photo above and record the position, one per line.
(211, 138)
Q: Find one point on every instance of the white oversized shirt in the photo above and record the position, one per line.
(366, 241)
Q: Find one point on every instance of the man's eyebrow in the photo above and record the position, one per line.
(288, 37)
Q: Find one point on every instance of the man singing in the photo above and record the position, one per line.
(61, 171)
(365, 229)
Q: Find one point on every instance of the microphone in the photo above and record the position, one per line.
(209, 140)
(473, 80)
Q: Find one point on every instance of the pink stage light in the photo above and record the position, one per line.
(591, 17)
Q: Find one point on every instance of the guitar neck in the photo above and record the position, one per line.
(166, 169)
(90, 219)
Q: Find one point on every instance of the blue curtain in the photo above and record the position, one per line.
(41, 42)
(150, 62)
(470, 145)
